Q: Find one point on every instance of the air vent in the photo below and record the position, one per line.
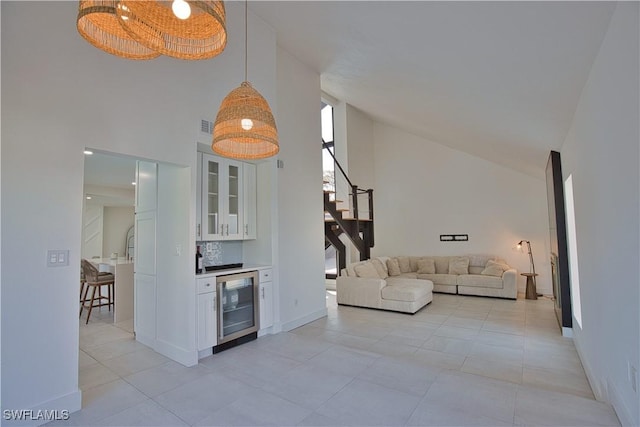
(206, 126)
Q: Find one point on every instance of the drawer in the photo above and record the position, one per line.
(265, 275)
(206, 284)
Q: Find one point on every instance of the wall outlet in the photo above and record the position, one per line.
(209, 246)
(633, 376)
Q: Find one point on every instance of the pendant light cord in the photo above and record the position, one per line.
(246, 38)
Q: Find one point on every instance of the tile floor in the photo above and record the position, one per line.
(461, 361)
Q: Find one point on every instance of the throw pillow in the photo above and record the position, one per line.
(404, 263)
(426, 266)
(459, 265)
(366, 270)
(382, 272)
(494, 268)
(394, 268)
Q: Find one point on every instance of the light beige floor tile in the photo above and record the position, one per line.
(258, 408)
(449, 345)
(538, 407)
(344, 360)
(557, 380)
(404, 375)
(439, 359)
(85, 360)
(95, 375)
(160, 379)
(147, 413)
(136, 361)
(497, 353)
(456, 332)
(308, 386)
(199, 399)
(500, 339)
(115, 348)
(493, 369)
(365, 403)
(472, 395)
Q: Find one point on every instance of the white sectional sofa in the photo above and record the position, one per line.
(370, 286)
(365, 283)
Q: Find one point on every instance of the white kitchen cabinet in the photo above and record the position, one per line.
(207, 316)
(222, 199)
(250, 201)
(199, 199)
(266, 299)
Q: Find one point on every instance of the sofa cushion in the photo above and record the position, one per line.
(404, 290)
(442, 264)
(459, 265)
(409, 275)
(426, 266)
(494, 268)
(366, 270)
(440, 279)
(393, 267)
(380, 268)
(480, 281)
(404, 263)
(475, 269)
(413, 263)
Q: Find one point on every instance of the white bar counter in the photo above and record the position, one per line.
(122, 269)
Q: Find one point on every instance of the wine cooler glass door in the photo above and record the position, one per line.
(237, 298)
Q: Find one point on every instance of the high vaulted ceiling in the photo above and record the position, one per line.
(499, 80)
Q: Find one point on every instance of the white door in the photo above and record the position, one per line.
(145, 252)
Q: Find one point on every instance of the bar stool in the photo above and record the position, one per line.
(95, 280)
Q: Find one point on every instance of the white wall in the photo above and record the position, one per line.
(116, 222)
(602, 156)
(359, 144)
(423, 189)
(300, 227)
(60, 94)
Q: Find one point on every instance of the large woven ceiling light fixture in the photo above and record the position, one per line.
(144, 29)
(245, 127)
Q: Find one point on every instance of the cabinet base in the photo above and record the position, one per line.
(229, 344)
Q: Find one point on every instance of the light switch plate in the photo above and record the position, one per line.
(57, 258)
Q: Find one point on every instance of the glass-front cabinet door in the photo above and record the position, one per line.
(222, 199)
(212, 218)
(233, 226)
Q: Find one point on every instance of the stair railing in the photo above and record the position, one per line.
(353, 194)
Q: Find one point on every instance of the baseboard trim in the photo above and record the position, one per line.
(622, 411)
(606, 391)
(71, 402)
(178, 354)
(296, 323)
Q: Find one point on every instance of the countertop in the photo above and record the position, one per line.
(246, 267)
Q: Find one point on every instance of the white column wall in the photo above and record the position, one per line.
(300, 227)
(601, 153)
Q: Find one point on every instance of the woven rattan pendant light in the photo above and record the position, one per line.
(99, 24)
(245, 127)
(144, 29)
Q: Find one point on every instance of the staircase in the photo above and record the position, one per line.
(349, 221)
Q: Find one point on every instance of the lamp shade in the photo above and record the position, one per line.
(153, 24)
(245, 127)
(98, 23)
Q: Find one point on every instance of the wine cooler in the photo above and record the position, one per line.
(238, 308)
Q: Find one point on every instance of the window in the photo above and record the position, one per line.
(573, 251)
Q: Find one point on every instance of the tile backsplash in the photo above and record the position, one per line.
(220, 252)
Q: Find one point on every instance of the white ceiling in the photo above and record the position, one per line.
(499, 80)
(108, 178)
